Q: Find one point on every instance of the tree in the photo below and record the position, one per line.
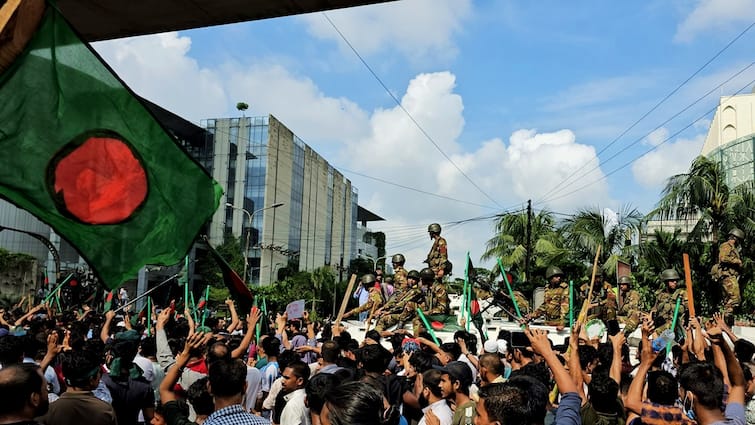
(590, 228)
(230, 250)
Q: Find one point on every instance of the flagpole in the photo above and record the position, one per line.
(146, 293)
(511, 290)
(149, 316)
(207, 303)
(51, 294)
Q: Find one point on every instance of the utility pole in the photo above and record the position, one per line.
(529, 241)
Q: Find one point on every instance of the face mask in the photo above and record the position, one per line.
(687, 407)
(507, 372)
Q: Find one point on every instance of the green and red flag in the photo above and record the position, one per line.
(236, 286)
(83, 154)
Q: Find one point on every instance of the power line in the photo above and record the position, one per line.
(398, 103)
(626, 164)
(563, 182)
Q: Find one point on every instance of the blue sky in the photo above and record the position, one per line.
(518, 94)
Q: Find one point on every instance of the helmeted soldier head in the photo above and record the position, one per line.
(625, 283)
(388, 280)
(433, 229)
(553, 275)
(427, 275)
(368, 280)
(413, 274)
(670, 277)
(737, 233)
(398, 259)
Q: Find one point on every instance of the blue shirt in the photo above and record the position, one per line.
(234, 415)
(568, 410)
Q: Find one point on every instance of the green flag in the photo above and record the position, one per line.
(81, 153)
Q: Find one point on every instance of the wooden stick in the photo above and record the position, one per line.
(345, 300)
(688, 282)
(586, 304)
(8, 9)
(369, 319)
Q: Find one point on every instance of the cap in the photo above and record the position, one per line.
(490, 346)
(120, 324)
(459, 371)
(502, 346)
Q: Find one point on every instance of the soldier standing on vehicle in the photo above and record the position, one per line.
(555, 307)
(438, 255)
(629, 305)
(665, 301)
(729, 266)
(374, 300)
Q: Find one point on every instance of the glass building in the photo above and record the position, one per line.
(261, 163)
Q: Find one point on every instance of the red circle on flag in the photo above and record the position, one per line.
(99, 180)
(436, 325)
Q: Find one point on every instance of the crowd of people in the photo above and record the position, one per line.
(83, 367)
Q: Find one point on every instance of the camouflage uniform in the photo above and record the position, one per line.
(524, 304)
(438, 255)
(729, 264)
(665, 304)
(400, 309)
(605, 297)
(375, 300)
(629, 312)
(555, 307)
(435, 303)
(399, 277)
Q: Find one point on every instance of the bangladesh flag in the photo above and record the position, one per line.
(81, 153)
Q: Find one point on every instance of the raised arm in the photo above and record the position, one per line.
(541, 345)
(733, 369)
(196, 340)
(251, 323)
(617, 341)
(633, 401)
(235, 322)
(575, 368)
(105, 331)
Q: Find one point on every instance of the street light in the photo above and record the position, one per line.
(375, 261)
(249, 233)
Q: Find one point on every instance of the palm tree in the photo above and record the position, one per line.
(510, 242)
(702, 194)
(590, 228)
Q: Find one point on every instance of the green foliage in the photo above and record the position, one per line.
(12, 260)
(315, 288)
(231, 251)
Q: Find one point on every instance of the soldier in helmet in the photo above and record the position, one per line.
(399, 272)
(438, 255)
(629, 305)
(395, 311)
(375, 299)
(729, 266)
(435, 300)
(665, 301)
(603, 303)
(555, 307)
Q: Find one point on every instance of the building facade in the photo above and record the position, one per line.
(731, 138)
(260, 163)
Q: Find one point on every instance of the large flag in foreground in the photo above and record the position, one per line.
(79, 151)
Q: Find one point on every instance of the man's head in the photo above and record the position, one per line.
(374, 358)
(200, 398)
(227, 378)
(368, 281)
(430, 387)
(317, 388)
(295, 376)
(271, 346)
(625, 283)
(412, 278)
(427, 276)
(23, 391)
(433, 230)
(603, 391)
(329, 352)
(737, 235)
(82, 369)
(702, 386)
(553, 275)
(670, 278)
(398, 260)
(456, 378)
(663, 388)
(520, 400)
(490, 367)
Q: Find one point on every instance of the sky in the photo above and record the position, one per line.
(477, 105)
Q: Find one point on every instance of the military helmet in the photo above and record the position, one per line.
(427, 273)
(434, 228)
(738, 233)
(388, 279)
(413, 274)
(398, 259)
(625, 280)
(669, 274)
(368, 278)
(553, 271)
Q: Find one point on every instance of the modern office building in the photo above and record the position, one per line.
(731, 138)
(303, 212)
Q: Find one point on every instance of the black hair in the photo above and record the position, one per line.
(451, 348)
(79, 367)
(587, 355)
(744, 350)
(538, 371)
(149, 347)
(520, 400)
(217, 351)
(603, 392)
(11, 350)
(504, 335)
(422, 361)
(431, 381)
(357, 403)
(300, 370)
(329, 351)
(374, 358)
(663, 388)
(373, 335)
(200, 398)
(317, 388)
(17, 383)
(492, 362)
(286, 358)
(272, 346)
(705, 381)
(227, 378)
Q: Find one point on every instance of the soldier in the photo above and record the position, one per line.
(438, 255)
(603, 304)
(374, 300)
(395, 311)
(729, 266)
(629, 305)
(435, 301)
(555, 307)
(665, 301)
(399, 272)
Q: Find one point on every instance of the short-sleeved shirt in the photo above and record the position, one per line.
(659, 414)
(129, 398)
(270, 373)
(735, 415)
(234, 415)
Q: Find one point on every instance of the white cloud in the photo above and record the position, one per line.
(711, 15)
(419, 29)
(654, 168)
(657, 137)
